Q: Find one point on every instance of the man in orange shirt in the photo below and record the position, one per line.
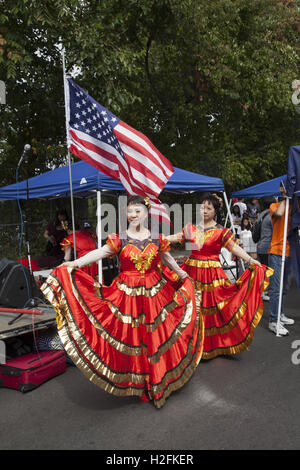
(277, 212)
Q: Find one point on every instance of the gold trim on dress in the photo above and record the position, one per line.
(81, 353)
(142, 261)
(65, 243)
(183, 324)
(70, 327)
(237, 314)
(189, 370)
(210, 286)
(202, 263)
(110, 242)
(209, 233)
(137, 321)
(142, 290)
(136, 350)
(243, 346)
(128, 349)
(209, 310)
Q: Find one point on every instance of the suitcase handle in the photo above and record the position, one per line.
(38, 358)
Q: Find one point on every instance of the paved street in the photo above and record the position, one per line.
(249, 401)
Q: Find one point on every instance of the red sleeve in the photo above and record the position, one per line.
(164, 244)
(113, 240)
(68, 241)
(194, 235)
(228, 239)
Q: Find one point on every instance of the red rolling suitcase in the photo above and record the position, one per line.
(27, 372)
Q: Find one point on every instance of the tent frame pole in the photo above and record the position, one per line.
(231, 223)
(227, 215)
(282, 263)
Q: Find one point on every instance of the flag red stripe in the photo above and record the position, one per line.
(163, 159)
(140, 164)
(110, 157)
(102, 168)
(162, 162)
(145, 173)
(123, 168)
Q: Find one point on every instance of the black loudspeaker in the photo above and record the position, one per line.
(17, 284)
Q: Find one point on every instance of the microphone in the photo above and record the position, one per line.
(27, 147)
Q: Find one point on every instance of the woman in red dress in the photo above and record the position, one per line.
(142, 335)
(85, 242)
(230, 311)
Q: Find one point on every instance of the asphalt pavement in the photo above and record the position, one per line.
(242, 402)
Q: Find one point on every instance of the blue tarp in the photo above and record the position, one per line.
(86, 178)
(268, 188)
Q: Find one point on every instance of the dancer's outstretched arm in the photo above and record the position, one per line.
(176, 238)
(169, 261)
(240, 253)
(91, 257)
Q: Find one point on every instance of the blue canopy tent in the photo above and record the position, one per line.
(268, 188)
(86, 180)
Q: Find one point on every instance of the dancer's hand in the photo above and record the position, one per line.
(187, 277)
(69, 264)
(254, 261)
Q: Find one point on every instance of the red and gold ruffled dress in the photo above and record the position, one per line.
(85, 242)
(230, 311)
(142, 335)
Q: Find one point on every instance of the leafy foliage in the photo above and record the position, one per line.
(208, 82)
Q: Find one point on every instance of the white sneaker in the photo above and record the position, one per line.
(265, 297)
(286, 320)
(282, 331)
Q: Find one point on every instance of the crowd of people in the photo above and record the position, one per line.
(266, 245)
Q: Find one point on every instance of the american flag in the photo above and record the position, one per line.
(113, 147)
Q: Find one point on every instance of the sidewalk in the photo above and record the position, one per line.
(247, 401)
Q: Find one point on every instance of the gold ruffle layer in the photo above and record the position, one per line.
(243, 345)
(142, 290)
(92, 366)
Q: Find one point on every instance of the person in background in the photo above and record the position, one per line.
(277, 212)
(85, 241)
(242, 206)
(236, 219)
(246, 237)
(264, 241)
(253, 209)
(54, 233)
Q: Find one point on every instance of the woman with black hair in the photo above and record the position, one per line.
(236, 219)
(142, 335)
(230, 311)
(246, 238)
(55, 232)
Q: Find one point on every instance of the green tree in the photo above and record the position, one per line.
(208, 82)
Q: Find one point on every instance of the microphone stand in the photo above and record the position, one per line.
(26, 234)
(31, 300)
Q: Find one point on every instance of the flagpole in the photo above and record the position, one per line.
(287, 201)
(69, 156)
